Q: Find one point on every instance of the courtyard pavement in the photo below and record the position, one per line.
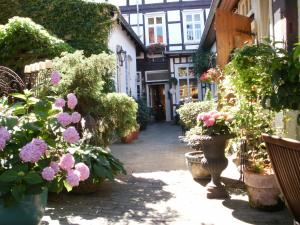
(158, 190)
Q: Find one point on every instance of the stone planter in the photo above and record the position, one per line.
(263, 191)
(27, 212)
(215, 162)
(193, 162)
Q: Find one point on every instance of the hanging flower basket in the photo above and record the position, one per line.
(156, 48)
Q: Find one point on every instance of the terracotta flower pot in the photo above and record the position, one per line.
(127, 139)
(263, 191)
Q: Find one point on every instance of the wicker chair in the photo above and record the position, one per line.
(285, 158)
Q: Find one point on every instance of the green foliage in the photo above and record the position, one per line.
(116, 116)
(203, 60)
(83, 24)
(189, 111)
(23, 42)
(28, 119)
(102, 164)
(87, 77)
(208, 95)
(143, 114)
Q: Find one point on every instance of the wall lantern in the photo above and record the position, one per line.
(121, 55)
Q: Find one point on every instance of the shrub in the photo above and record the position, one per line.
(189, 111)
(85, 25)
(116, 116)
(107, 114)
(23, 42)
(143, 114)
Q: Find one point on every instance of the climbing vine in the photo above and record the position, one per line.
(83, 25)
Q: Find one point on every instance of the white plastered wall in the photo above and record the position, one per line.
(120, 37)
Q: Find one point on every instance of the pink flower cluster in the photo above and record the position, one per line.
(72, 100)
(33, 151)
(66, 119)
(209, 118)
(211, 75)
(4, 137)
(55, 78)
(71, 135)
(74, 176)
(75, 172)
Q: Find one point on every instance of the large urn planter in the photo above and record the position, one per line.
(29, 211)
(193, 162)
(263, 191)
(214, 161)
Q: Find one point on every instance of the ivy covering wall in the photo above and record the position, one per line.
(24, 42)
(83, 25)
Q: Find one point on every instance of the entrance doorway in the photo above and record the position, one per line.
(158, 101)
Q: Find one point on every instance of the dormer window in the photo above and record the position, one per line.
(155, 29)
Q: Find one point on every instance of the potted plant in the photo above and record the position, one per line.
(35, 135)
(250, 76)
(157, 48)
(193, 159)
(102, 165)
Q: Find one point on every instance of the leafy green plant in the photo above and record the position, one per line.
(203, 60)
(189, 111)
(85, 25)
(33, 141)
(143, 114)
(24, 42)
(102, 164)
(116, 116)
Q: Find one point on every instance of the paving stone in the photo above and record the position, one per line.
(159, 190)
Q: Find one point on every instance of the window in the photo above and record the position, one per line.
(155, 29)
(193, 26)
(188, 84)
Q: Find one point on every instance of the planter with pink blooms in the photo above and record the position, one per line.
(36, 136)
(215, 132)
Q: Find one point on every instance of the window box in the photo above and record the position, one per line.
(156, 48)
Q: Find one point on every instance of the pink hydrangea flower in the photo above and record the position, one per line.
(31, 153)
(64, 119)
(72, 100)
(48, 173)
(55, 78)
(54, 166)
(2, 144)
(76, 117)
(41, 144)
(210, 122)
(205, 116)
(200, 116)
(67, 162)
(84, 171)
(60, 103)
(73, 178)
(4, 134)
(71, 135)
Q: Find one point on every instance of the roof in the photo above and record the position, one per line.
(131, 33)
(209, 34)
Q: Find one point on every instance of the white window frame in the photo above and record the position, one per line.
(187, 78)
(154, 15)
(192, 13)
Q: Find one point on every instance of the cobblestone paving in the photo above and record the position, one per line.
(158, 190)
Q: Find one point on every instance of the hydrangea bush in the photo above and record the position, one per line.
(36, 136)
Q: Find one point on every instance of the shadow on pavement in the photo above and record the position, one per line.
(120, 202)
(242, 211)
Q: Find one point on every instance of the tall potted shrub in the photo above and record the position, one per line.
(250, 75)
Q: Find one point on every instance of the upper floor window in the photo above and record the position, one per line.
(155, 30)
(193, 26)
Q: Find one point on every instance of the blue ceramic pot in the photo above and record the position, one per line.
(27, 212)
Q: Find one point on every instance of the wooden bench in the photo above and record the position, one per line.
(285, 158)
